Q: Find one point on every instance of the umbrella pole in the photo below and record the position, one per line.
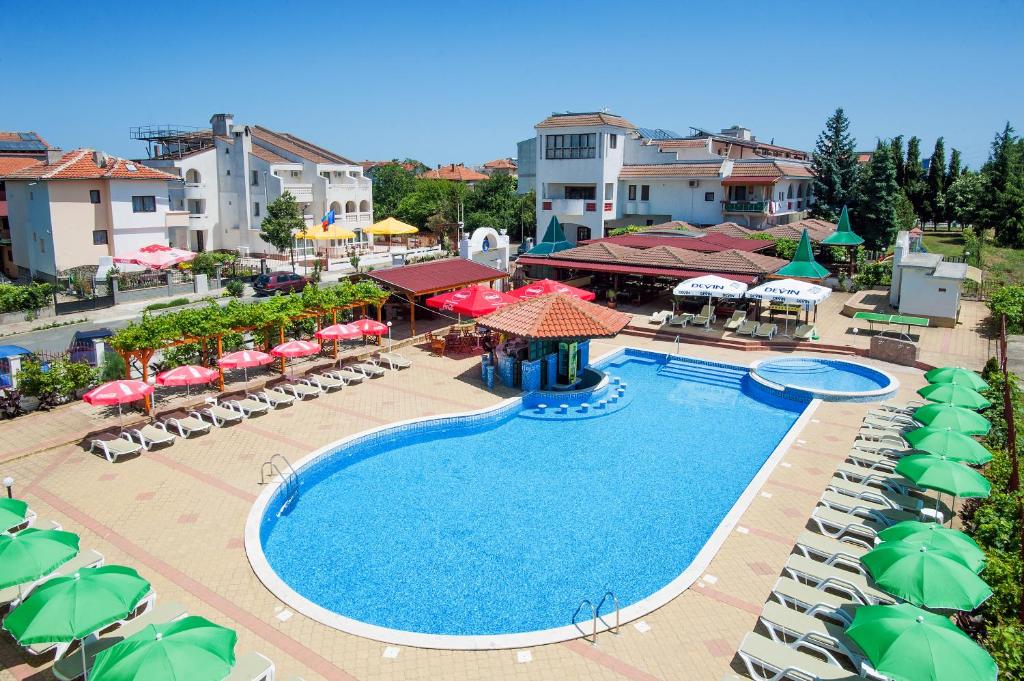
(85, 666)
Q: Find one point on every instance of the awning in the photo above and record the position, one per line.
(630, 269)
(748, 180)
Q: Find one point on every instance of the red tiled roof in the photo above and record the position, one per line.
(816, 230)
(682, 169)
(794, 169)
(80, 164)
(500, 164)
(707, 243)
(604, 250)
(9, 164)
(436, 275)
(298, 146)
(454, 171)
(670, 226)
(672, 256)
(730, 229)
(739, 262)
(682, 144)
(755, 169)
(268, 155)
(618, 268)
(367, 165)
(556, 315)
(570, 120)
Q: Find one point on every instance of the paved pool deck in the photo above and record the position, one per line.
(177, 515)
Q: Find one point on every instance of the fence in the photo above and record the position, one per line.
(82, 295)
(244, 268)
(135, 286)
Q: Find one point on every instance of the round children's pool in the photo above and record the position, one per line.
(826, 379)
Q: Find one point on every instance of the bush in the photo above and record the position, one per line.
(170, 303)
(874, 274)
(1006, 645)
(25, 298)
(208, 262)
(113, 367)
(1008, 300)
(56, 382)
(235, 288)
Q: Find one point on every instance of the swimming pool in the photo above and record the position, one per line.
(486, 530)
(827, 379)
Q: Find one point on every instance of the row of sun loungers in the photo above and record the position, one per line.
(737, 323)
(801, 630)
(232, 410)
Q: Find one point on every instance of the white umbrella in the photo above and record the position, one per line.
(791, 292)
(712, 286)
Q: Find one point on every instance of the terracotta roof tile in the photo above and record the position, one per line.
(367, 165)
(739, 262)
(794, 169)
(556, 315)
(9, 164)
(501, 164)
(80, 164)
(454, 171)
(298, 146)
(730, 229)
(816, 230)
(571, 120)
(268, 155)
(701, 143)
(598, 251)
(684, 169)
(436, 275)
(755, 169)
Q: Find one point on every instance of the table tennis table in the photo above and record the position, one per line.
(873, 318)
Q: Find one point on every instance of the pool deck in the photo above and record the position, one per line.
(178, 514)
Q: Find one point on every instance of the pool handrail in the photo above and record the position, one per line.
(593, 611)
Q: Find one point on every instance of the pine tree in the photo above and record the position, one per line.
(876, 215)
(913, 175)
(896, 149)
(952, 175)
(834, 164)
(1003, 162)
(934, 195)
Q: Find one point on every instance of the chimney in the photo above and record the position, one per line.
(100, 159)
(221, 123)
(53, 155)
(453, 167)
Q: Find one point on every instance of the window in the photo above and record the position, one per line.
(143, 204)
(255, 178)
(228, 171)
(645, 192)
(571, 146)
(649, 223)
(613, 141)
(585, 193)
(609, 190)
(227, 150)
(94, 196)
(709, 196)
(632, 192)
(789, 192)
(99, 237)
(256, 209)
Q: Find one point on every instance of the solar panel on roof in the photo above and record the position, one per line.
(28, 136)
(13, 145)
(658, 133)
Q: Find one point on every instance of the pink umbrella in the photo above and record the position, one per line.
(543, 287)
(243, 359)
(118, 392)
(472, 301)
(187, 375)
(338, 332)
(155, 256)
(296, 348)
(368, 327)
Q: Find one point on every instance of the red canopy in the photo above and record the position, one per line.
(155, 256)
(471, 301)
(295, 348)
(118, 392)
(368, 327)
(338, 332)
(190, 374)
(545, 286)
(244, 359)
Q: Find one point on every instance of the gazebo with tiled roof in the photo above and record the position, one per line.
(555, 330)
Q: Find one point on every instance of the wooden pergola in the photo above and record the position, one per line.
(429, 278)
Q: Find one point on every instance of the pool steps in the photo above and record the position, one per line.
(708, 374)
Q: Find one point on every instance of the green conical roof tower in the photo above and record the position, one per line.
(844, 235)
(553, 241)
(803, 265)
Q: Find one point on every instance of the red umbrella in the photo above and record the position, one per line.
(296, 348)
(471, 301)
(243, 359)
(118, 392)
(544, 286)
(338, 332)
(155, 256)
(368, 327)
(190, 374)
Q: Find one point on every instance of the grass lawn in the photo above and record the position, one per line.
(950, 244)
(1001, 264)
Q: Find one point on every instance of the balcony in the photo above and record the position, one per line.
(176, 218)
(566, 206)
(745, 207)
(355, 219)
(195, 190)
(303, 193)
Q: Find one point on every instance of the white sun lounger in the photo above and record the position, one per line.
(768, 660)
(680, 319)
(737, 318)
(832, 551)
(854, 586)
(302, 389)
(865, 508)
(814, 601)
(883, 479)
(896, 428)
(792, 628)
(907, 408)
(150, 434)
(659, 317)
(275, 398)
(394, 360)
(348, 375)
(247, 406)
(218, 415)
(252, 667)
(850, 527)
(113, 449)
(324, 382)
(866, 492)
(186, 425)
(368, 369)
(766, 330)
(882, 462)
(890, 416)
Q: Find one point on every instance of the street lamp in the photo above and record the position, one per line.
(389, 336)
(9, 484)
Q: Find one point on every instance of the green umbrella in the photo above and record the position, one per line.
(930, 578)
(32, 553)
(955, 394)
(944, 475)
(65, 609)
(935, 536)
(959, 375)
(12, 512)
(189, 649)
(947, 416)
(904, 642)
(949, 443)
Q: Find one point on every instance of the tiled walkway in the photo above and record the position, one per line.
(177, 515)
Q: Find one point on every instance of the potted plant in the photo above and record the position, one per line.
(611, 295)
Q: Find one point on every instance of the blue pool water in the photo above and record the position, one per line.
(823, 374)
(503, 525)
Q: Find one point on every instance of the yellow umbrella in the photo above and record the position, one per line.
(317, 234)
(390, 227)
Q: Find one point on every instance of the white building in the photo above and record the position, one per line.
(598, 171)
(923, 284)
(231, 172)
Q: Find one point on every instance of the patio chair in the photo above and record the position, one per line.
(805, 332)
(186, 425)
(218, 415)
(766, 330)
(394, 360)
(734, 322)
(247, 405)
(890, 416)
(681, 319)
(113, 449)
(706, 316)
(252, 667)
(324, 382)
(345, 374)
(884, 462)
(846, 526)
(866, 508)
(368, 369)
(275, 397)
(302, 389)
(858, 587)
(70, 667)
(659, 317)
(747, 328)
(437, 344)
(832, 551)
(12, 595)
(28, 521)
(889, 498)
(864, 475)
(908, 407)
(768, 660)
(790, 627)
(813, 601)
(154, 433)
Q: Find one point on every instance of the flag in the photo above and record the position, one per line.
(328, 220)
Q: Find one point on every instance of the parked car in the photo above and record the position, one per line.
(285, 282)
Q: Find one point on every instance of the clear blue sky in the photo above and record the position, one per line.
(463, 81)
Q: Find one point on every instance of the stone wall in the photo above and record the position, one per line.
(893, 350)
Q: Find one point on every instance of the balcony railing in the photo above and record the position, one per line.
(358, 219)
(176, 218)
(195, 190)
(303, 193)
(566, 206)
(745, 207)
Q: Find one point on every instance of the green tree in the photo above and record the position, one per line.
(391, 184)
(283, 219)
(432, 202)
(896, 147)
(934, 195)
(494, 203)
(56, 383)
(905, 216)
(1001, 205)
(527, 216)
(952, 175)
(834, 164)
(913, 175)
(963, 198)
(875, 213)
